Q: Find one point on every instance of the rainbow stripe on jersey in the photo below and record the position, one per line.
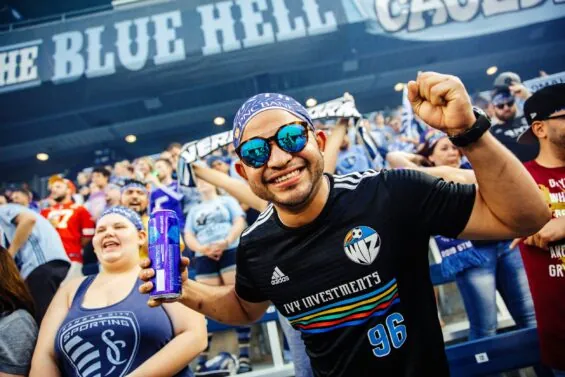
(350, 312)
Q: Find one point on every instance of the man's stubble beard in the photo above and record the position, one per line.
(295, 205)
(60, 199)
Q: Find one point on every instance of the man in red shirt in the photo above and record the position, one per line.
(72, 221)
(544, 252)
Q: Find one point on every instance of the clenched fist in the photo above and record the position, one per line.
(442, 102)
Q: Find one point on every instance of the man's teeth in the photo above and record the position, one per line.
(285, 177)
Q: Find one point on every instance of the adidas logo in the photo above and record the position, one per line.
(278, 277)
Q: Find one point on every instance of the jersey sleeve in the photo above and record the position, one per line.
(234, 208)
(87, 225)
(244, 285)
(9, 212)
(430, 203)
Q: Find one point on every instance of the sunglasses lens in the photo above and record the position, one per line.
(502, 105)
(292, 138)
(255, 152)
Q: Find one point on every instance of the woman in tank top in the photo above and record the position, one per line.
(101, 325)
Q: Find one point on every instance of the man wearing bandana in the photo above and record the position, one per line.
(511, 123)
(136, 197)
(344, 258)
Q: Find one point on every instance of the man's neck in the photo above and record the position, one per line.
(310, 212)
(167, 181)
(551, 156)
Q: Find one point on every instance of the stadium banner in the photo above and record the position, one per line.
(343, 107)
(142, 37)
(536, 84)
(533, 85)
(198, 150)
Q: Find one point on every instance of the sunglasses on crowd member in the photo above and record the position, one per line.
(500, 106)
(291, 138)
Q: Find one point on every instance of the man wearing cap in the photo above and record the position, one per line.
(544, 252)
(73, 222)
(508, 89)
(345, 258)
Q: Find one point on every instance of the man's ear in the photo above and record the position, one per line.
(539, 129)
(240, 169)
(321, 139)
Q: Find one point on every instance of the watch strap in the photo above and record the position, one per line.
(473, 133)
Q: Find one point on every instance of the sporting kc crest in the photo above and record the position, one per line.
(101, 345)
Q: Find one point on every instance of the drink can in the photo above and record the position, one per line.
(164, 252)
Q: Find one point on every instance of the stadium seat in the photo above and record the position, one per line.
(505, 352)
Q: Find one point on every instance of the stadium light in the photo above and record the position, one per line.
(131, 138)
(42, 156)
(219, 121)
(311, 102)
(492, 70)
(399, 87)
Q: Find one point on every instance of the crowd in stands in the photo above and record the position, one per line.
(70, 234)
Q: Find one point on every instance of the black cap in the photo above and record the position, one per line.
(540, 106)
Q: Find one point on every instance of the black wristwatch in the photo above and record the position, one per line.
(472, 134)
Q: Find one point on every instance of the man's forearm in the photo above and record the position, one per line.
(331, 151)
(23, 231)
(236, 230)
(400, 160)
(234, 187)
(217, 302)
(506, 187)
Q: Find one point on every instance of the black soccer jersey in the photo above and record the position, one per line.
(356, 280)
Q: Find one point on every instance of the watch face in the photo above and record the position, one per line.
(478, 112)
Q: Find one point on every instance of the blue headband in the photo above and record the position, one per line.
(262, 102)
(502, 97)
(125, 212)
(134, 184)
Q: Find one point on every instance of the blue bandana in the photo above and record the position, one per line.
(502, 97)
(134, 184)
(125, 212)
(262, 102)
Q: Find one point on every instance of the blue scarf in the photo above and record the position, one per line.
(457, 256)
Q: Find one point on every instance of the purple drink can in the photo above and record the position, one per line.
(164, 252)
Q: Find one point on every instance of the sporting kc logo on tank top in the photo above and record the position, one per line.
(101, 345)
